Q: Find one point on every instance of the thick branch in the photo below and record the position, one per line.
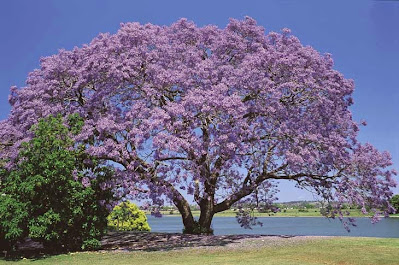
(248, 189)
(173, 158)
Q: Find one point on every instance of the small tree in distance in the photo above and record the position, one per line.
(218, 114)
(126, 216)
(395, 203)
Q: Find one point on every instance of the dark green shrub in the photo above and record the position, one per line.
(43, 197)
(13, 216)
(91, 244)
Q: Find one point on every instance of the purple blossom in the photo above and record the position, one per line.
(86, 182)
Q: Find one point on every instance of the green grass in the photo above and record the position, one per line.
(338, 250)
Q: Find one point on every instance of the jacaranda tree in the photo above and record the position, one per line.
(215, 113)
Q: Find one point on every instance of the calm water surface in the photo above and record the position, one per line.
(315, 226)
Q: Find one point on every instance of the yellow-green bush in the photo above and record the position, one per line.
(128, 217)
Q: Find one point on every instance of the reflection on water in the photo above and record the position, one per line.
(316, 226)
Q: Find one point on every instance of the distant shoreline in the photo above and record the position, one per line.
(273, 216)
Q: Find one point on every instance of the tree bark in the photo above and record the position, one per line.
(206, 216)
(185, 212)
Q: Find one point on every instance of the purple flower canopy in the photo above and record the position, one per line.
(218, 113)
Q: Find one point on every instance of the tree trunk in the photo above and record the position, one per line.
(206, 216)
(185, 212)
(188, 222)
(203, 225)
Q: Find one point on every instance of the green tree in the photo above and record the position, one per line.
(55, 194)
(395, 202)
(128, 217)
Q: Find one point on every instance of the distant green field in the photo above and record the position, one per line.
(286, 213)
(328, 251)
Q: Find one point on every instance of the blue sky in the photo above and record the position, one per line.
(362, 36)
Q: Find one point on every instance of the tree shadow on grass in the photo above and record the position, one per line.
(134, 241)
(145, 241)
(29, 249)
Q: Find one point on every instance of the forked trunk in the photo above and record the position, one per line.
(203, 225)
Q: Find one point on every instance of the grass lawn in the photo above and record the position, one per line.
(338, 250)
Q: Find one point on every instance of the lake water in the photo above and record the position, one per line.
(315, 226)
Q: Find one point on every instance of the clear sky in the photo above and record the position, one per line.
(362, 36)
